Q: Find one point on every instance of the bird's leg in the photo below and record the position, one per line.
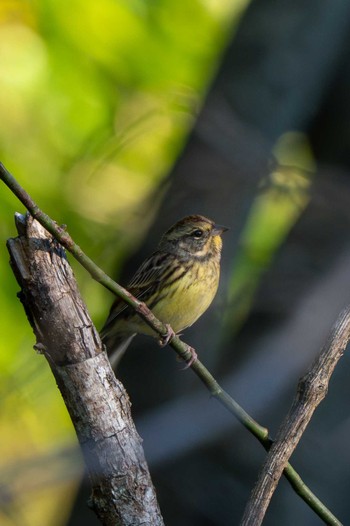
(194, 357)
(169, 336)
(166, 338)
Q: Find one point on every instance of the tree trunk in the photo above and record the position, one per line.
(122, 490)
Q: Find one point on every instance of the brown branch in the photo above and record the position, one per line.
(312, 389)
(98, 404)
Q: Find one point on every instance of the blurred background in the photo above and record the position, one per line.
(121, 116)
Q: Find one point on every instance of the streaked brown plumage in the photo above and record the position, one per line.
(177, 282)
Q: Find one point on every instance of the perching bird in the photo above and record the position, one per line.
(178, 282)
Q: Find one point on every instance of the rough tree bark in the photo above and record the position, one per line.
(122, 490)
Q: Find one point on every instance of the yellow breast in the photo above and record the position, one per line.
(190, 297)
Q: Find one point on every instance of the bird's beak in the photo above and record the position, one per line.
(218, 230)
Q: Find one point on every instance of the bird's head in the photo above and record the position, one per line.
(194, 235)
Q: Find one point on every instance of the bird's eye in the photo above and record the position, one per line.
(197, 233)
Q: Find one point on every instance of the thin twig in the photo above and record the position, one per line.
(312, 389)
(181, 348)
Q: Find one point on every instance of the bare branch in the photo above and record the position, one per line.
(312, 389)
(97, 402)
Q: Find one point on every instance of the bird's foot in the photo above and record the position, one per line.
(194, 357)
(166, 338)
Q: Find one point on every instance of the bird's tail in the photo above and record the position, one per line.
(116, 344)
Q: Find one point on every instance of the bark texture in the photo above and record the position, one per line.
(122, 490)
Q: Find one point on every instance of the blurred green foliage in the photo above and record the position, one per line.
(279, 203)
(96, 101)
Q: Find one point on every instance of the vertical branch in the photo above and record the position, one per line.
(312, 389)
(122, 490)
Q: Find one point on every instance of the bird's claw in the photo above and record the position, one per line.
(194, 357)
(166, 338)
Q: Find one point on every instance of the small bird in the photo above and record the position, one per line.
(177, 282)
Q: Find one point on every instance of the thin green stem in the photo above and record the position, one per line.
(182, 349)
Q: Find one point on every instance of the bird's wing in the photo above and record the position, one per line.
(151, 271)
(145, 281)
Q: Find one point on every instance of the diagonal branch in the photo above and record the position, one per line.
(181, 348)
(312, 389)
